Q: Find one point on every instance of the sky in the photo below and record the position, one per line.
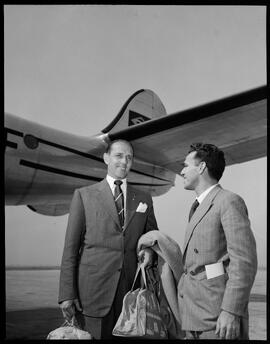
(72, 67)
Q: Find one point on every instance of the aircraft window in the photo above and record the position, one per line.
(30, 141)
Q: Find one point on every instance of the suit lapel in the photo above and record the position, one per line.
(131, 205)
(107, 200)
(199, 214)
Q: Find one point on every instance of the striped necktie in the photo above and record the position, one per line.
(193, 208)
(119, 201)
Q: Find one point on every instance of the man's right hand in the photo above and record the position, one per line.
(69, 308)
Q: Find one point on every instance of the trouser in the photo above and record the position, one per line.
(201, 335)
(101, 328)
(211, 334)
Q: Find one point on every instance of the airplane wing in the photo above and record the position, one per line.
(236, 124)
(43, 165)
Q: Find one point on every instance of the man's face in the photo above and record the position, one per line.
(119, 160)
(190, 171)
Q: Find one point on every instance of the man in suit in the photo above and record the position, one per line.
(99, 258)
(219, 253)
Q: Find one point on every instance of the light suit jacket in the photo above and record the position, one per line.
(96, 249)
(218, 231)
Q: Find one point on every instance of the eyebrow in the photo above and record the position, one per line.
(120, 153)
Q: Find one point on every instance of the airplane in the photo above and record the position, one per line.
(43, 166)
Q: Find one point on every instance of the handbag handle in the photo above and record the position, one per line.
(140, 267)
(69, 323)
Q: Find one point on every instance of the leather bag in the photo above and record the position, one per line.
(140, 316)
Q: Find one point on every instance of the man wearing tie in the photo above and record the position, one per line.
(219, 253)
(99, 258)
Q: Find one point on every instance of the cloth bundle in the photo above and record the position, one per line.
(69, 331)
(170, 269)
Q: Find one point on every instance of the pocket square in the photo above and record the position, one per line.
(141, 208)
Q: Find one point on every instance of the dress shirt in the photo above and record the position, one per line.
(111, 180)
(205, 193)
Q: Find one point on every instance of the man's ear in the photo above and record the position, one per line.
(106, 158)
(202, 166)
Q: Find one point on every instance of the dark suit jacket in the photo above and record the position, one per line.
(218, 231)
(96, 249)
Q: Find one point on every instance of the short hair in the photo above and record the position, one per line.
(109, 147)
(212, 156)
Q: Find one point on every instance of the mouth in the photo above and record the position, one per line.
(122, 169)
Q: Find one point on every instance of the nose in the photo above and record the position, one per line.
(182, 172)
(124, 160)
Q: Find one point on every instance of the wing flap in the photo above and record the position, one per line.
(237, 124)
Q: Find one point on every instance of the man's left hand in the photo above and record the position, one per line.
(228, 325)
(145, 256)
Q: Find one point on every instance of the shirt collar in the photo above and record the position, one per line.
(205, 193)
(111, 180)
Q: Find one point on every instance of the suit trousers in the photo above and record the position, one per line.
(201, 335)
(101, 328)
(211, 334)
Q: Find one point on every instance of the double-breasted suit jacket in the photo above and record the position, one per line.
(219, 231)
(96, 248)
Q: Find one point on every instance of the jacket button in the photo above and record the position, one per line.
(195, 250)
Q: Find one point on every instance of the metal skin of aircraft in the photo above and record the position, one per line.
(43, 166)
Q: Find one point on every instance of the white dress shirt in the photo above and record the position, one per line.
(205, 193)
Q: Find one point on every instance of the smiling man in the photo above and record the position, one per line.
(99, 259)
(219, 254)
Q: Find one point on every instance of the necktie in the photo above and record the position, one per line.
(119, 201)
(193, 208)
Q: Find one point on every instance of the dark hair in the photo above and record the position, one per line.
(108, 149)
(212, 156)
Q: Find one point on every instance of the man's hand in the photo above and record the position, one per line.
(69, 308)
(145, 256)
(228, 325)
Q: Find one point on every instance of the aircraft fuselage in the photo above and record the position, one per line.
(44, 165)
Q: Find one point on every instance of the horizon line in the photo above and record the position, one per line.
(57, 267)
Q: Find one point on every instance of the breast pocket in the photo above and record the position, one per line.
(139, 219)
